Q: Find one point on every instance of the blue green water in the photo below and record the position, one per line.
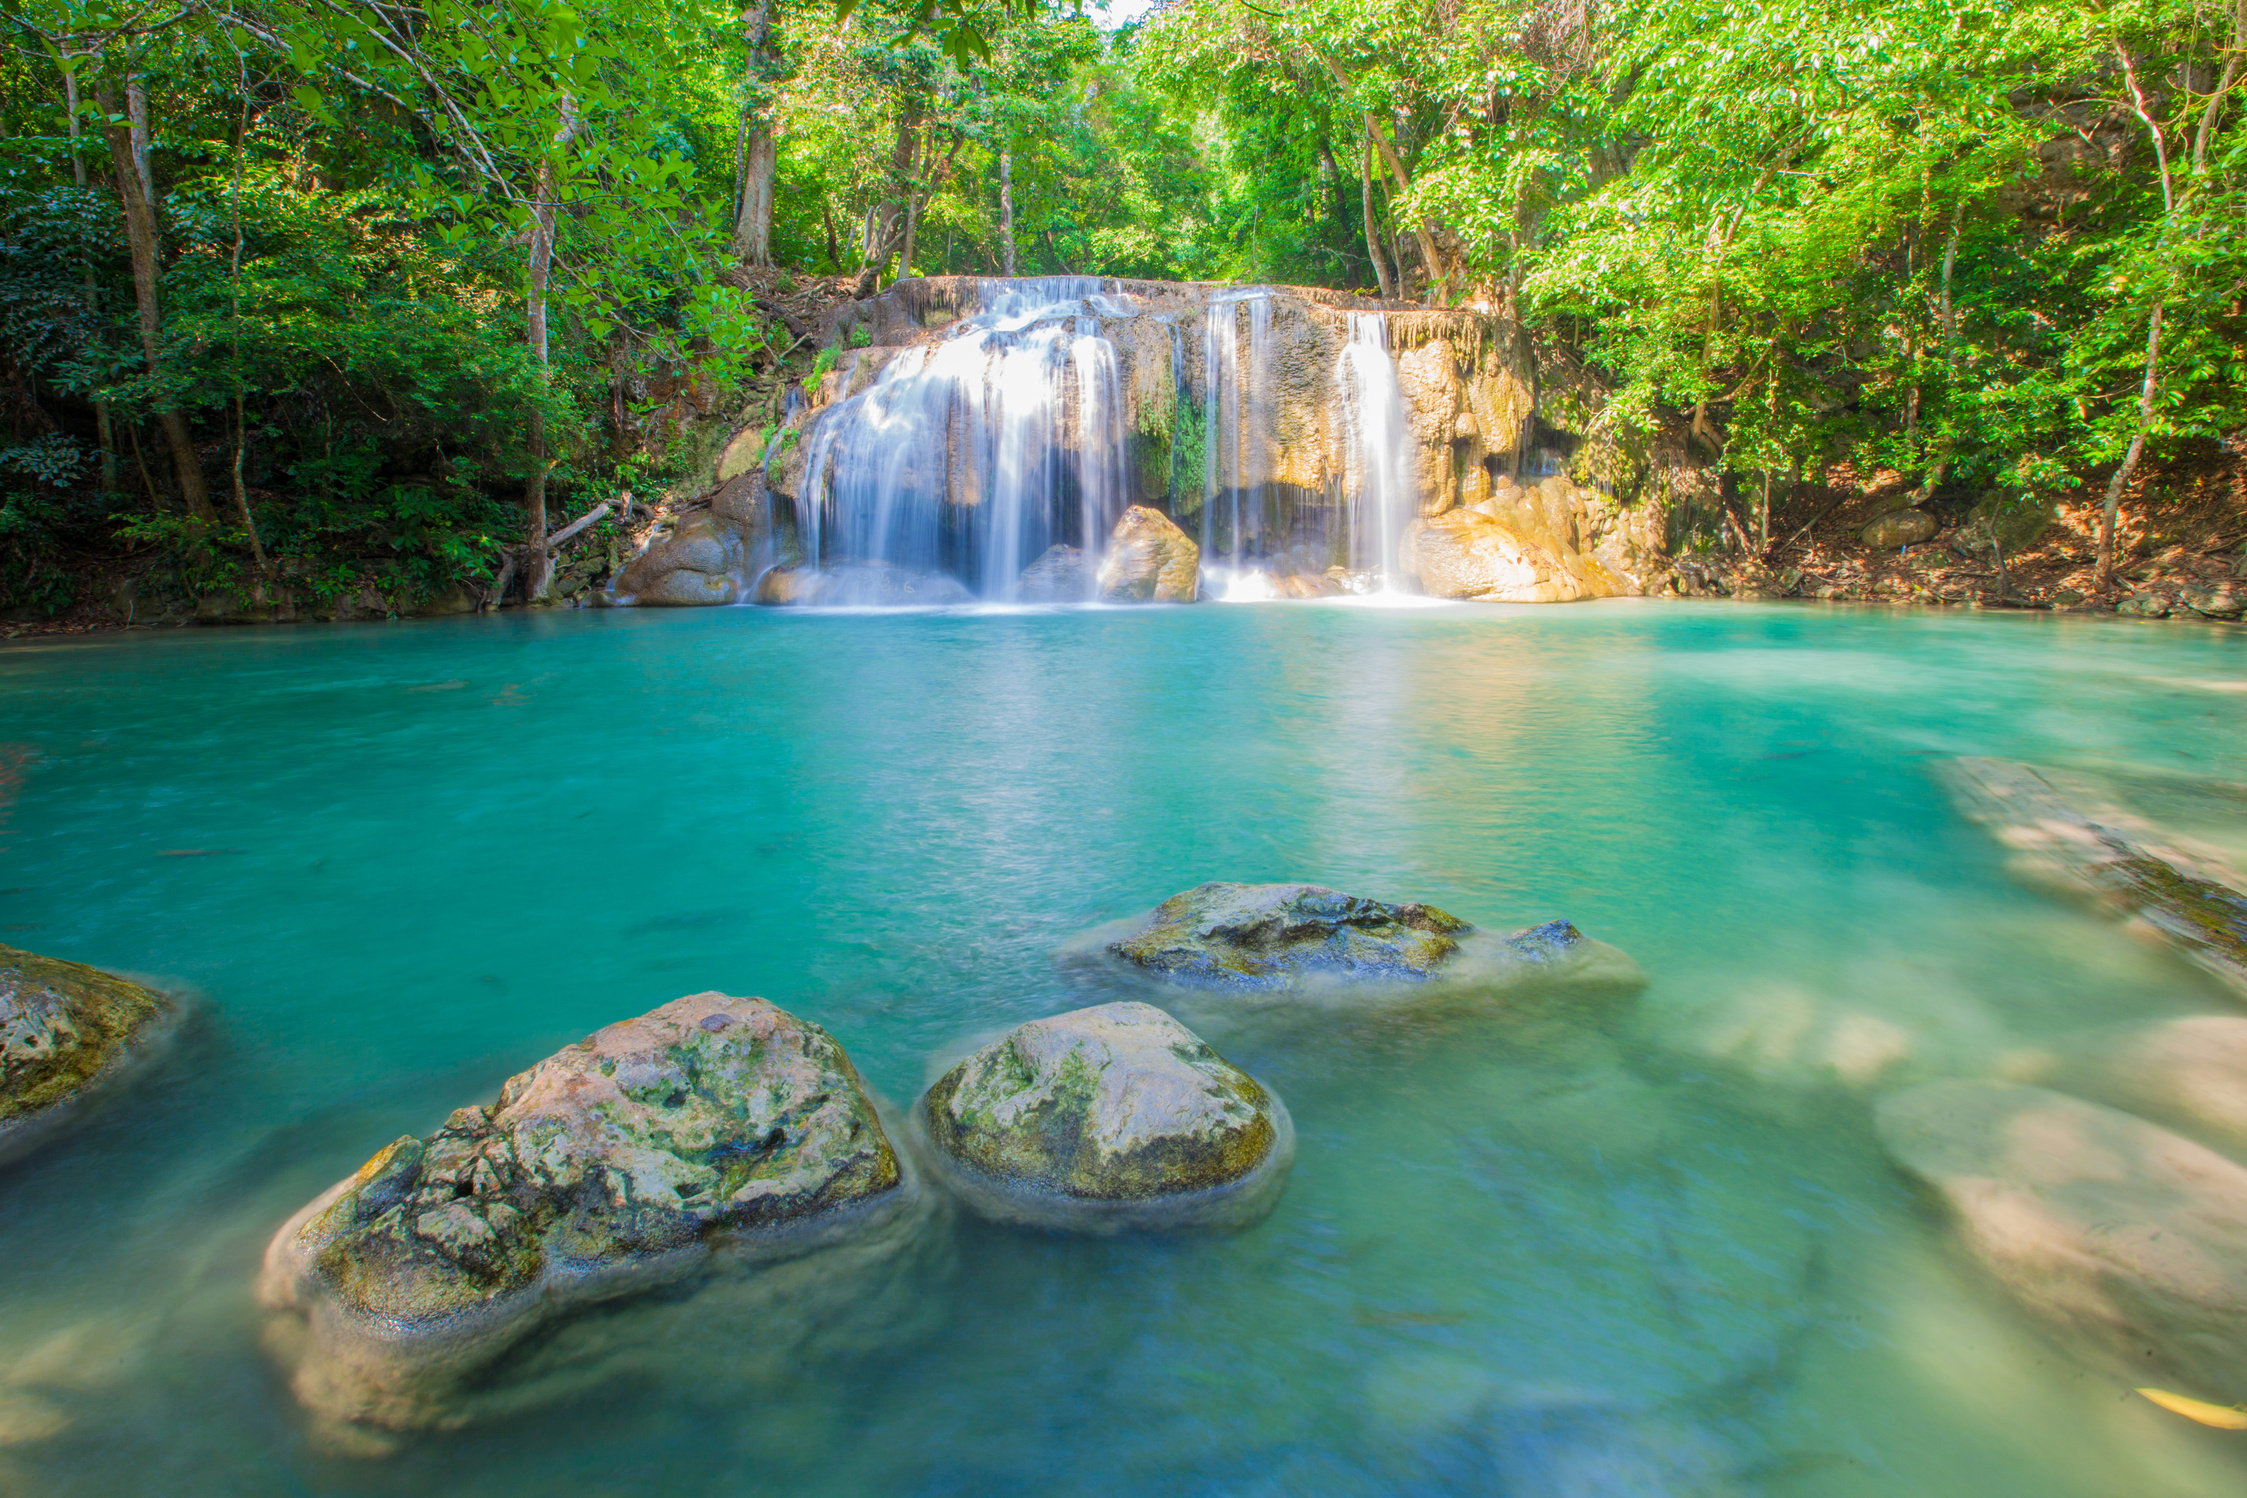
(1617, 1248)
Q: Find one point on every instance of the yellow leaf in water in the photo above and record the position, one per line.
(2221, 1416)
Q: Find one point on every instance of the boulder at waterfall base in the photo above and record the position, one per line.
(1468, 554)
(690, 564)
(1150, 560)
(2127, 1239)
(711, 1126)
(66, 1030)
(1105, 1119)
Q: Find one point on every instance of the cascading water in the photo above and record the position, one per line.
(1237, 416)
(993, 459)
(1384, 485)
(964, 456)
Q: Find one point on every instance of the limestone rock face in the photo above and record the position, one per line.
(65, 1029)
(1108, 1118)
(1057, 576)
(693, 563)
(1469, 554)
(1272, 935)
(2060, 844)
(1150, 560)
(2128, 1239)
(1900, 528)
(711, 1124)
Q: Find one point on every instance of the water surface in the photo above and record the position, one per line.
(1624, 1248)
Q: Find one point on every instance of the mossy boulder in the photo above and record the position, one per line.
(65, 1031)
(1104, 1119)
(713, 1125)
(1223, 935)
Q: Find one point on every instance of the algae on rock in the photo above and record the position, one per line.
(1106, 1118)
(65, 1028)
(712, 1125)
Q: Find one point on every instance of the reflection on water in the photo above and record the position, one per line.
(1612, 1246)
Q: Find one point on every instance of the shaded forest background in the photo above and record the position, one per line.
(369, 301)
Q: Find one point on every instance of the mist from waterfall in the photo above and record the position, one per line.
(1385, 487)
(958, 458)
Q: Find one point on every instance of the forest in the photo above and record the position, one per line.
(374, 299)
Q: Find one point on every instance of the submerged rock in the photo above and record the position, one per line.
(1107, 1119)
(1150, 560)
(712, 1128)
(2058, 844)
(2189, 1073)
(2127, 1238)
(66, 1030)
(693, 563)
(1057, 576)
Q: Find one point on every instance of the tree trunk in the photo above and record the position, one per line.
(102, 428)
(1006, 207)
(1372, 231)
(759, 149)
(2119, 480)
(887, 220)
(130, 164)
(234, 286)
(537, 566)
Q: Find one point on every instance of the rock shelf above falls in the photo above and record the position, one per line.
(1308, 442)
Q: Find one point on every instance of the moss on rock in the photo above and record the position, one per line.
(1272, 935)
(621, 1161)
(63, 1026)
(1117, 1106)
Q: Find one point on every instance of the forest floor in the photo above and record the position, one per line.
(2180, 537)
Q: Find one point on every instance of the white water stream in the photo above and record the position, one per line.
(974, 454)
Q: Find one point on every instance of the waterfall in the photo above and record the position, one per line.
(993, 458)
(970, 456)
(1237, 420)
(1384, 488)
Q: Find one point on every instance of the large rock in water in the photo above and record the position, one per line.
(1270, 935)
(714, 1130)
(860, 585)
(693, 563)
(1468, 554)
(1150, 560)
(2128, 1239)
(1247, 937)
(2060, 845)
(66, 1030)
(1105, 1119)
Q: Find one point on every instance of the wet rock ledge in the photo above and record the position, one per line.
(67, 1032)
(1250, 937)
(711, 1130)
(1107, 1119)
